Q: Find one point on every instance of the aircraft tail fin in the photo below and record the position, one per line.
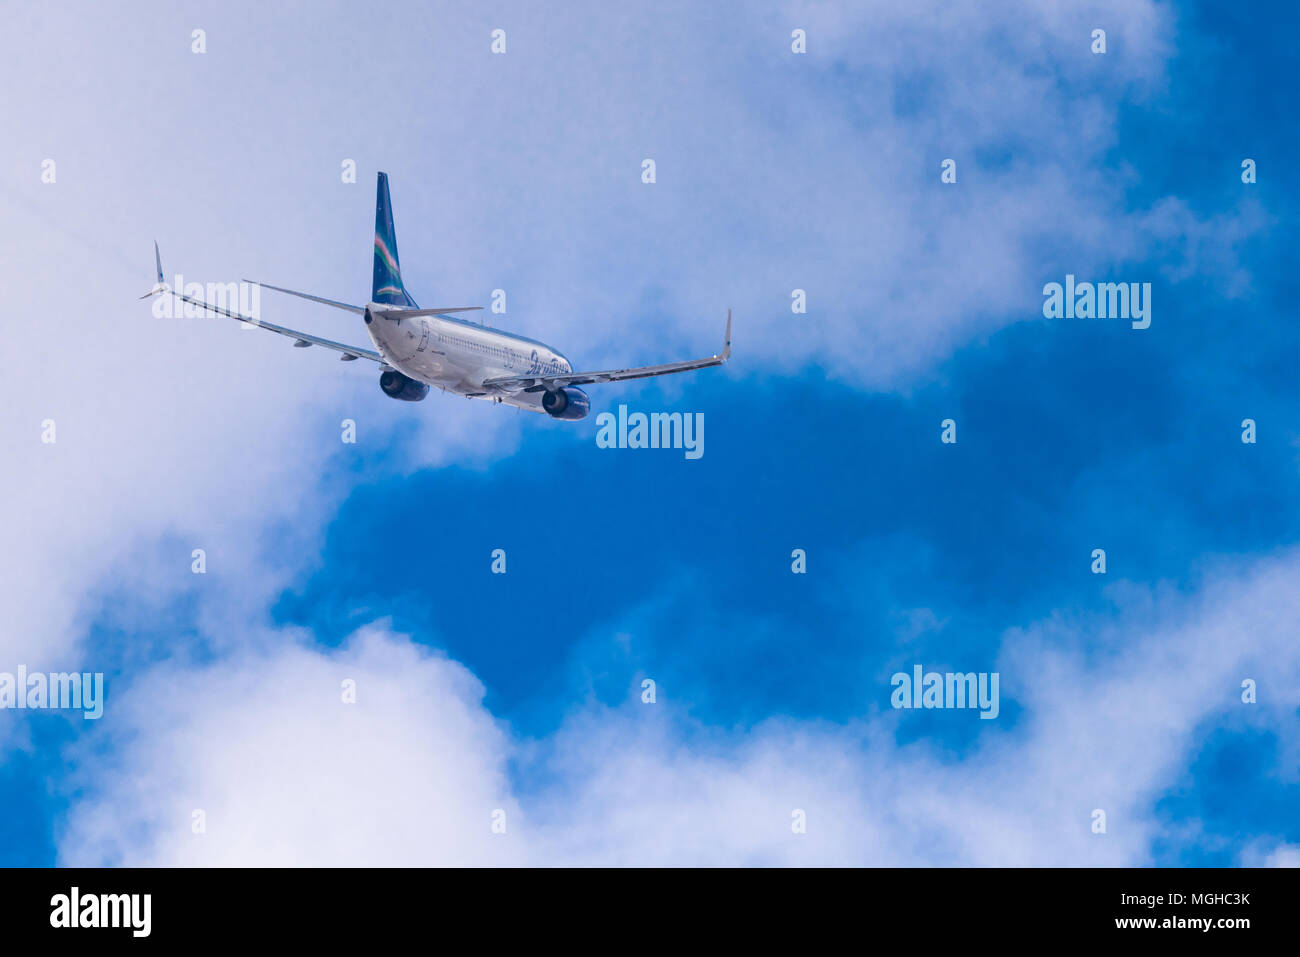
(387, 285)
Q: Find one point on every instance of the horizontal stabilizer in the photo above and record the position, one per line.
(304, 295)
(413, 313)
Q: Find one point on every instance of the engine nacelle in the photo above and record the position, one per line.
(567, 403)
(398, 386)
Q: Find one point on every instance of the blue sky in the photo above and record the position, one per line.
(522, 691)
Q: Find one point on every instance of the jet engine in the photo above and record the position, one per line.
(566, 403)
(398, 386)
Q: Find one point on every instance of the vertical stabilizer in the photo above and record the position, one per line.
(387, 284)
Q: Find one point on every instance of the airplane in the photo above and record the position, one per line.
(418, 349)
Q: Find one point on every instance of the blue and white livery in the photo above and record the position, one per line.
(418, 349)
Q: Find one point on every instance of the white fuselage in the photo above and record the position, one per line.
(458, 356)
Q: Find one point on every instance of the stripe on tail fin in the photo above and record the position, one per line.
(387, 285)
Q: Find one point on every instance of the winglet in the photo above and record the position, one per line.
(726, 349)
(159, 286)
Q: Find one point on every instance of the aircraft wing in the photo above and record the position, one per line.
(536, 383)
(301, 339)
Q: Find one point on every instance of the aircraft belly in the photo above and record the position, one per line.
(415, 348)
(531, 401)
(426, 366)
(406, 347)
(404, 341)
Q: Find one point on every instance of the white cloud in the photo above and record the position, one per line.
(290, 775)
(1280, 855)
(284, 770)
